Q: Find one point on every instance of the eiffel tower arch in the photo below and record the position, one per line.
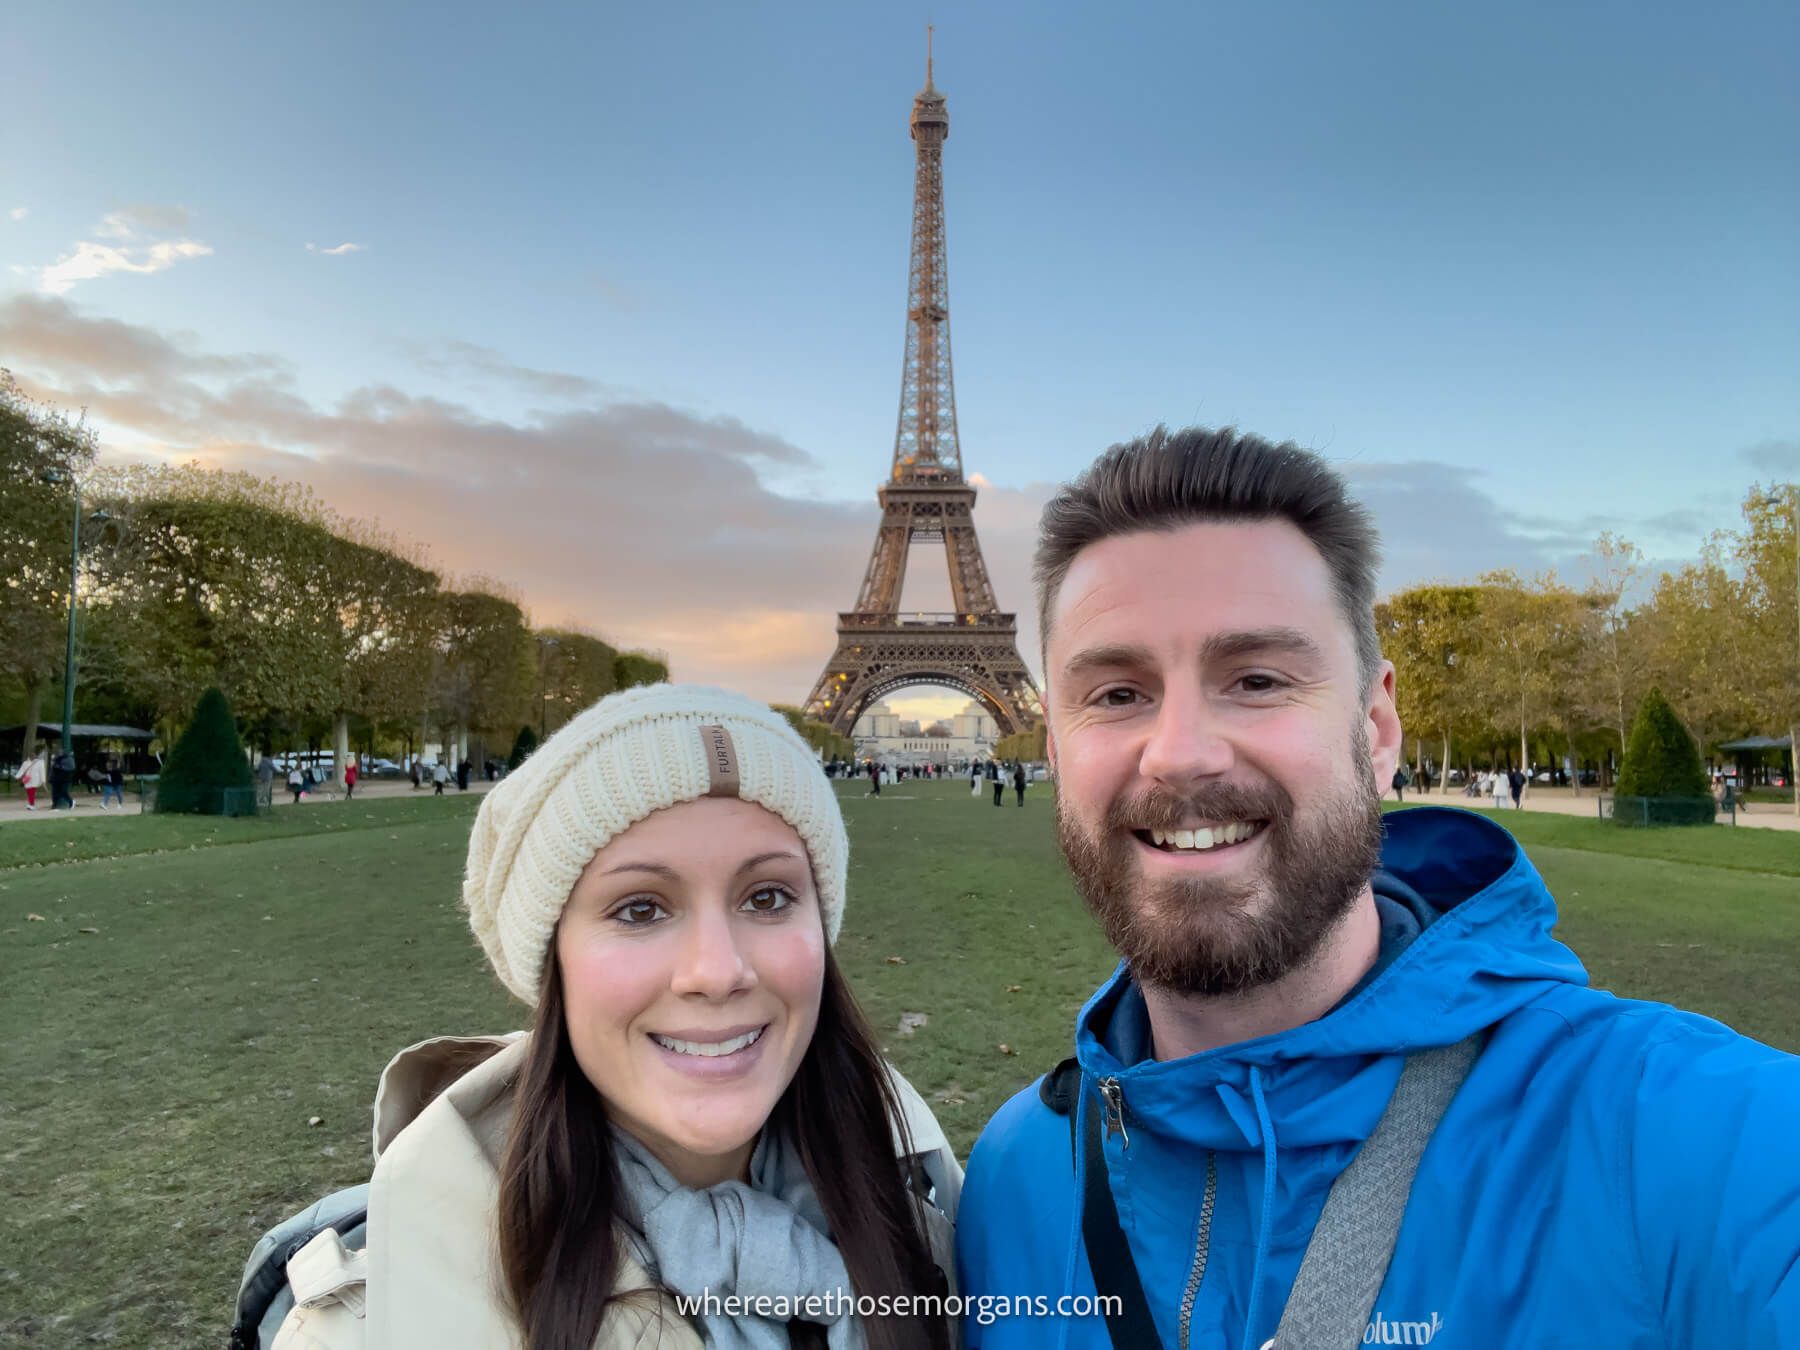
(975, 648)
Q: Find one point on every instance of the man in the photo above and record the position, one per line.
(1515, 780)
(1599, 1172)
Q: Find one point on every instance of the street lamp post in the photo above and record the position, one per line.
(100, 518)
(544, 644)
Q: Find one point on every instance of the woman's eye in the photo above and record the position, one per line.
(637, 913)
(768, 900)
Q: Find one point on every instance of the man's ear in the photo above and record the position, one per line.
(1386, 736)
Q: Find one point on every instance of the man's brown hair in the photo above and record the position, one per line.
(1172, 479)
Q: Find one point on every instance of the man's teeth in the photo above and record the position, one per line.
(1202, 839)
(710, 1049)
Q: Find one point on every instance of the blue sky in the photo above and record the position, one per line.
(1526, 271)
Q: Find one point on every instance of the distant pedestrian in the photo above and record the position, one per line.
(874, 780)
(462, 776)
(296, 782)
(974, 778)
(413, 773)
(112, 787)
(265, 771)
(1516, 782)
(1497, 787)
(998, 780)
(31, 778)
(1019, 782)
(440, 775)
(62, 779)
(350, 776)
(1400, 782)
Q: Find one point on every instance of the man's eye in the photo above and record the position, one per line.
(768, 900)
(637, 913)
(1261, 684)
(1117, 698)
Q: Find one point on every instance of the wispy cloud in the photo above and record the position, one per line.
(647, 523)
(1778, 458)
(137, 247)
(335, 252)
(19, 212)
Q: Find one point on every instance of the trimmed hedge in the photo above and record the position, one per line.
(1662, 781)
(206, 763)
(523, 744)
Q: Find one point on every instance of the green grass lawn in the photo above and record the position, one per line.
(158, 1074)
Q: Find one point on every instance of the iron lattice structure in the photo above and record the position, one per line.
(925, 499)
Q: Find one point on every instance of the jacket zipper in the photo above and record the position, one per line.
(1202, 1242)
(1114, 1097)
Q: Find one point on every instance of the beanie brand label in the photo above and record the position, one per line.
(721, 762)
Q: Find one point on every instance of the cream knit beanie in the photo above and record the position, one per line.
(630, 754)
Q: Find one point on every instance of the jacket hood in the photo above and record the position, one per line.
(1488, 953)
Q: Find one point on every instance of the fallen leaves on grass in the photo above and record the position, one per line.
(87, 930)
(896, 960)
(315, 1120)
(36, 918)
(1014, 988)
(1006, 1049)
(911, 1022)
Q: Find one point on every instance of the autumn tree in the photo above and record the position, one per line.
(1432, 635)
(36, 444)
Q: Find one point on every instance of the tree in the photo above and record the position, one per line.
(523, 746)
(575, 671)
(818, 735)
(1768, 552)
(1613, 653)
(1662, 775)
(224, 579)
(486, 662)
(1432, 635)
(1696, 636)
(635, 668)
(35, 518)
(1030, 745)
(1531, 641)
(206, 763)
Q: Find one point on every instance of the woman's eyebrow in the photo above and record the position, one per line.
(777, 855)
(655, 869)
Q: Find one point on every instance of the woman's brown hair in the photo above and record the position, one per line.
(559, 1185)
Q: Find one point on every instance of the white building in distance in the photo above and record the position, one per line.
(879, 734)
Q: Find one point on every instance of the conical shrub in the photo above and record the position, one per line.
(206, 763)
(523, 745)
(1662, 781)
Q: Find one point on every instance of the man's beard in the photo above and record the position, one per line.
(1227, 935)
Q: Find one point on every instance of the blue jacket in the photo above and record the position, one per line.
(1613, 1173)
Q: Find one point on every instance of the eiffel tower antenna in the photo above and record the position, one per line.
(926, 500)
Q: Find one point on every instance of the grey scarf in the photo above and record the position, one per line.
(765, 1239)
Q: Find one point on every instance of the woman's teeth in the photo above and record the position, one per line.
(710, 1049)
(1198, 841)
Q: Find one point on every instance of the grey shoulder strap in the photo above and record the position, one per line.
(1347, 1259)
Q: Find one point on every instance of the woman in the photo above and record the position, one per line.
(699, 1107)
(31, 778)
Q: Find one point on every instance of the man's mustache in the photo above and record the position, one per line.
(1161, 810)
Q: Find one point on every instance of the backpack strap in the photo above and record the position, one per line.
(1109, 1253)
(1347, 1260)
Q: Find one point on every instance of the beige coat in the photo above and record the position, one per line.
(428, 1276)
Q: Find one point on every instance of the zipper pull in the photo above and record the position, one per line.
(1113, 1094)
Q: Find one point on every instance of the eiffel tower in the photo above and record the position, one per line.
(925, 499)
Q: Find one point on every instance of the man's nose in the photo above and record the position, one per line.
(711, 961)
(1188, 742)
